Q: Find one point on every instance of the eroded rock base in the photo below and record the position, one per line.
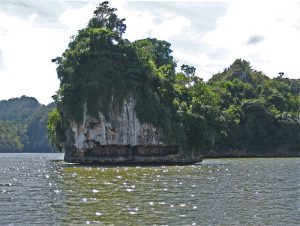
(131, 155)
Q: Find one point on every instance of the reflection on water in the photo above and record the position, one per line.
(42, 189)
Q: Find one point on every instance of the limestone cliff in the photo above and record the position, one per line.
(117, 101)
(119, 138)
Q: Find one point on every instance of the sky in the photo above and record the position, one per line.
(208, 35)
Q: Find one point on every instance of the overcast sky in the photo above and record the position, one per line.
(209, 35)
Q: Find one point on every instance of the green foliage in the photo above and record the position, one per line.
(93, 59)
(258, 110)
(23, 125)
(258, 127)
(188, 70)
(287, 131)
(105, 17)
(37, 131)
(157, 50)
(55, 128)
(12, 136)
(18, 109)
(240, 70)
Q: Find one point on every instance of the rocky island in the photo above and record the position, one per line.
(124, 102)
(114, 104)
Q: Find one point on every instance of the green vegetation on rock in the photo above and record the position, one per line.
(237, 112)
(101, 69)
(262, 114)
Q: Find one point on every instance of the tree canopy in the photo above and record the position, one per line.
(23, 124)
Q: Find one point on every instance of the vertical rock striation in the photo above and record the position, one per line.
(119, 138)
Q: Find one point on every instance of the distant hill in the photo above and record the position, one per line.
(23, 125)
(262, 113)
(240, 70)
(18, 109)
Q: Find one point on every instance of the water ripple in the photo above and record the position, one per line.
(41, 189)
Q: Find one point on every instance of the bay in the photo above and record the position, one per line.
(41, 189)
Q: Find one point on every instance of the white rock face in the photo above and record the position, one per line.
(123, 128)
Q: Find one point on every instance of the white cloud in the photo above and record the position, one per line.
(275, 21)
(143, 23)
(171, 27)
(27, 51)
(204, 65)
(75, 19)
(27, 48)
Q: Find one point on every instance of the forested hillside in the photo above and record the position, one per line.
(239, 112)
(23, 123)
(261, 114)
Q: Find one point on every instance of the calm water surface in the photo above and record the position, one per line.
(41, 189)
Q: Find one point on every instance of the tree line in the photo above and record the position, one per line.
(238, 112)
(23, 125)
